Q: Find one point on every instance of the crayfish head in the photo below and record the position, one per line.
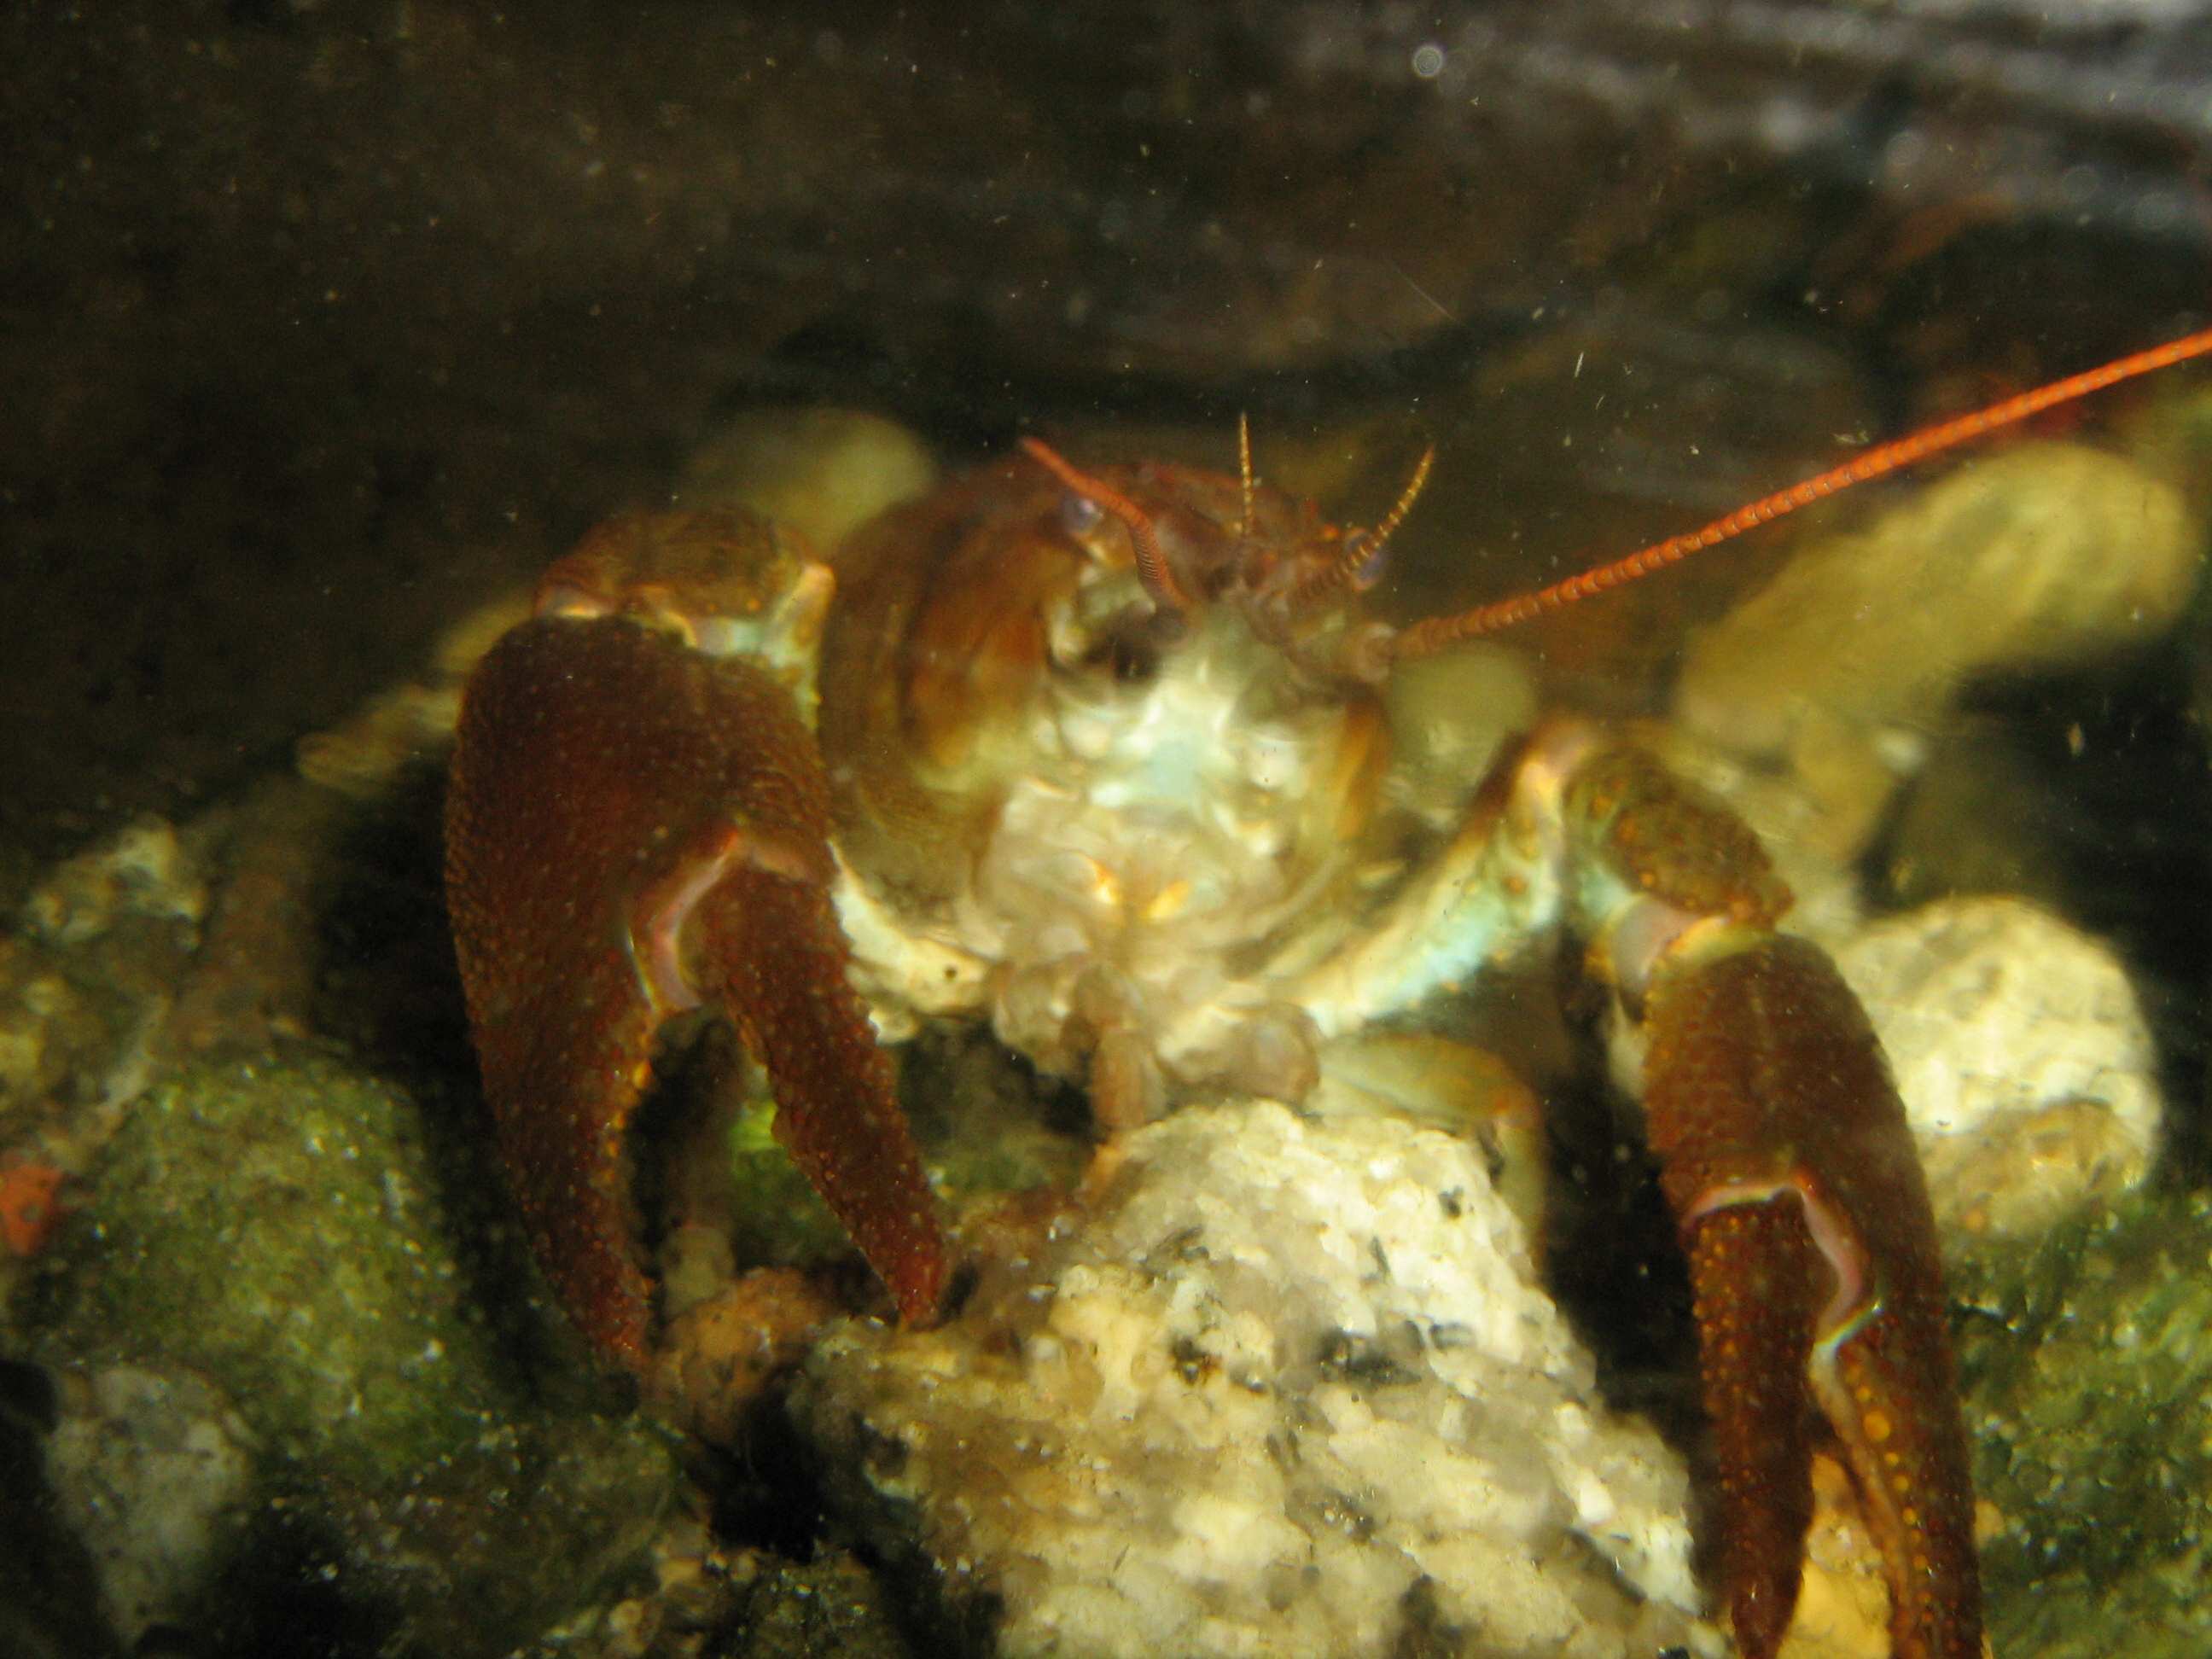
(1196, 541)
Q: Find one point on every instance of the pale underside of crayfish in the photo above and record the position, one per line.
(1099, 758)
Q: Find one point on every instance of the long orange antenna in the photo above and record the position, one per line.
(1425, 638)
(1152, 568)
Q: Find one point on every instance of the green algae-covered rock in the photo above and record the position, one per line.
(2087, 1368)
(280, 1228)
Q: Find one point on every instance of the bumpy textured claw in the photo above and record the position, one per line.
(1785, 1154)
(628, 819)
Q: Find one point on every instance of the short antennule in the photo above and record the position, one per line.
(1359, 560)
(1245, 521)
(1439, 633)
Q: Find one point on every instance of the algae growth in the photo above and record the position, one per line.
(274, 1227)
(2087, 1366)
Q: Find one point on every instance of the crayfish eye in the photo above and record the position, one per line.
(1364, 557)
(1078, 514)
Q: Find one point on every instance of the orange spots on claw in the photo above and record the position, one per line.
(601, 769)
(1780, 1134)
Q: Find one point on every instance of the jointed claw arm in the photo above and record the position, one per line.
(634, 827)
(1784, 1149)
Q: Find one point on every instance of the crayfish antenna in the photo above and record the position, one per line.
(1439, 633)
(1359, 561)
(1245, 521)
(1152, 567)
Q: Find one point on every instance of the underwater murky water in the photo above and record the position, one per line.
(329, 329)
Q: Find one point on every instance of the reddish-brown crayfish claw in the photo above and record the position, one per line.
(633, 827)
(1788, 1161)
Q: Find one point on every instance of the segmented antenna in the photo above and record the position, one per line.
(1152, 567)
(1425, 638)
(1355, 563)
(1396, 516)
(1245, 521)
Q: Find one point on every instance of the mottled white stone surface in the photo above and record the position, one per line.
(152, 1470)
(1290, 1389)
(2022, 1055)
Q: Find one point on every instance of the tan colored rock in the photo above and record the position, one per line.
(1293, 1387)
(821, 471)
(2047, 555)
(2025, 1063)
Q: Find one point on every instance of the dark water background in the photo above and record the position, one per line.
(323, 323)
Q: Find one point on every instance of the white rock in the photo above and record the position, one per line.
(152, 1471)
(146, 870)
(1291, 1388)
(2021, 1053)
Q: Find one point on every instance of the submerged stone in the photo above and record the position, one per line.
(1292, 1386)
(276, 1228)
(2021, 1053)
